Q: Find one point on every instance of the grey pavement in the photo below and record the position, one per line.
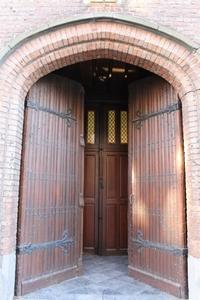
(104, 278)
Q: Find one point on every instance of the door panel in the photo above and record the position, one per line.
(48, 245)
(123, 179)
(90, 161)
(123, 226)
(91, 179)
(157, 239)
(114, 202)
(107, 177)
(89, 229)
(90, 195)
(110, 178)
(110, 227)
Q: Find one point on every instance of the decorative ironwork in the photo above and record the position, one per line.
(66, 116)
(64, 244)
(143, 117)
(140, 243)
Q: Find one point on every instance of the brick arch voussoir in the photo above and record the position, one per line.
(131, 44)
(67, 36)
(98, 49)
(47, 45)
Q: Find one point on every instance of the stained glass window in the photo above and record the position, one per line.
(91, 127)
(111, 127)
(123, 127)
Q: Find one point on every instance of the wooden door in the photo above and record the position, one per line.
(106, 186)
(50, 207)
(157, 235)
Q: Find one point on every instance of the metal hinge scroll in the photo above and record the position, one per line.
(141, 243)
(140, 117)
(34, 104)
(64, 243)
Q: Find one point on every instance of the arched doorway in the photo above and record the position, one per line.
(49, 240)
(157, 51)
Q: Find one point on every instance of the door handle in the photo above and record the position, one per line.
(101, 186)
(82, 140)
(131, 199)
(81, 200)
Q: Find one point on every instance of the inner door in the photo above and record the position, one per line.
(105, 192)
(157, 216)
(49, 246)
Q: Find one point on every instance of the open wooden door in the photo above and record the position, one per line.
(157, 232)
(50, 210)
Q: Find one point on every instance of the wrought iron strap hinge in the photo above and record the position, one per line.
(143, 117)
(64, 115)
(63, 243)
(140, 243)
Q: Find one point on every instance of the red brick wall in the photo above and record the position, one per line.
(19, 16)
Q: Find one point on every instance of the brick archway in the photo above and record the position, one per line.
(137, 43)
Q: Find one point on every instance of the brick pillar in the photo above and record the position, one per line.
(191, 126)
(11, 115)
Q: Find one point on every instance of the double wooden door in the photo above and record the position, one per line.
(49, 243)
(106, 185)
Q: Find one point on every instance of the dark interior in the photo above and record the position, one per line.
(104, 79)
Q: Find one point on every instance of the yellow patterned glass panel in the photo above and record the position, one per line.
(90, 127)
(111, 127)
(123, 127)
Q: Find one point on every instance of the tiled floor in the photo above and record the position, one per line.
(105, 278)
